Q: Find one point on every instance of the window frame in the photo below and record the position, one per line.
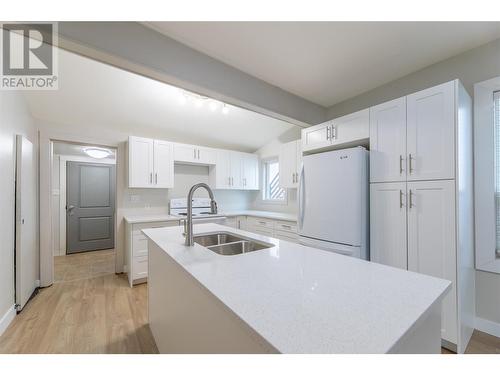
(486, 256)
(263, 194)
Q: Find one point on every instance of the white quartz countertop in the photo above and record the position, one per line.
(304, 300)
(152, 218)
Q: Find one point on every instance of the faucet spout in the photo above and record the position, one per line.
(189, 219)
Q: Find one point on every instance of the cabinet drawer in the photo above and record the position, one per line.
(140, 267)
(136, 228)
(262, 230)
(259, 222)
(139, 245)
(286, 226)
(287, 236)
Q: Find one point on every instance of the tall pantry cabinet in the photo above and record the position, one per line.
(421, 197)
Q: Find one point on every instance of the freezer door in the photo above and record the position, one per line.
(333, 196)
(353, 251)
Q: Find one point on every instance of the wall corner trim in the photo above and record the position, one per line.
(7, 318)
(487, 326)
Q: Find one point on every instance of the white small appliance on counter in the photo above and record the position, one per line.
(201, 210)
(333, 202)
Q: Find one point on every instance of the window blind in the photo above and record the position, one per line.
(496, 116)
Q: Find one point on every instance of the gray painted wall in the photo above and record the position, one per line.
(470, 67)
(183, 66)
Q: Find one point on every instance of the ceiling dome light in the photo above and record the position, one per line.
(97, 153)
(225, 109)
(213, 105)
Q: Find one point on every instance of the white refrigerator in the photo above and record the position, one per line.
(333, 202)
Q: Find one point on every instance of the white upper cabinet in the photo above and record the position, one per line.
(431, 240)
(431, 133)
(388, 224)
(346, 131)
(388, 141)
(163, 164)
(250, 171)
(140, 162)
(317, 137)
(150, 163)
(235, 170)
(192, 154)
(290, 164)
(352, 129)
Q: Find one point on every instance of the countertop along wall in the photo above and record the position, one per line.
(14, 119)
(475, 65)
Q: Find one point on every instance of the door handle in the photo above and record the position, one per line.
(151, 177)
(400, 198)
(194, 150)
(328, 132)
(400, 164)
(198, 154)
(156, 178)
(334, 132)
(411, 198)
(69, 209)
(410, 164)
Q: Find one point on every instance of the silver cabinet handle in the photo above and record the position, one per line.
(286, 226)
(400, 198)
(400, 164)
(198, 154)
(156, 178)
(334, 132)
(410, 164)
(328, 133)
(151, 177)
(229, 181)
(411, 198)
(194, 150)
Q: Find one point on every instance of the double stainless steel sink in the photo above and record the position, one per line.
(225, 243)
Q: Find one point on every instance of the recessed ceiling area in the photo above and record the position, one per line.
(328, 62)
(108, 103)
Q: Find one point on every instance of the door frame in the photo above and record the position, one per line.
(46, 139)
(62, 191)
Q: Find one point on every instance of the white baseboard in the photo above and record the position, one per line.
(487, 326)
(7, 318)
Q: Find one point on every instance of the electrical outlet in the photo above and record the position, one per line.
(135, 198)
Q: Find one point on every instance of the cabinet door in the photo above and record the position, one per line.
(431, 240)
(351, 128)
(316, 137)
(236, 161)
(298, 159)
(140, 162)
(163, 164)
(388, 141)
(223, 170)
(250, 165)
(431, 133)
(206, 155)
(388, 224)
(288, 165)
(185, 153)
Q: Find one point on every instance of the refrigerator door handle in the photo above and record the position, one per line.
(301, 198)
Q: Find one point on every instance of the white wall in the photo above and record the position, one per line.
(14, 119)
(470, 67)
(271, 150)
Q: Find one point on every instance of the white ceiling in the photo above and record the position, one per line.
(102, 101)
(62, 148)
(328, 62)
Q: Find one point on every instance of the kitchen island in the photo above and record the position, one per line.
(287, 298)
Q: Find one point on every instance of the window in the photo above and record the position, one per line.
(496, 117)
(271, 189)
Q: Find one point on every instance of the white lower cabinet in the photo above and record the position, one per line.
(283, 230)
(412, 227)
(136, 249)
(388, 216)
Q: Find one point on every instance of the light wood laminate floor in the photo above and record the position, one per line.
(90, 309)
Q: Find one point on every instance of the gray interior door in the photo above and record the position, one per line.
(90, 206)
